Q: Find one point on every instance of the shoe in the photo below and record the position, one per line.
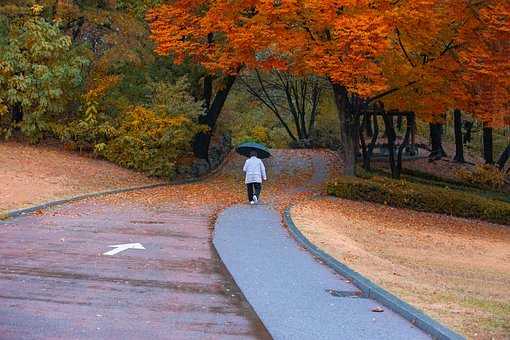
(251, 202)
(255, 199)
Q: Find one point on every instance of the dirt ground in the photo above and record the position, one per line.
(30, 175)
(456, 270)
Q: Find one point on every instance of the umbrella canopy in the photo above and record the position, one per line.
(246, 148)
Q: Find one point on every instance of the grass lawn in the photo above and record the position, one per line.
(456, 270)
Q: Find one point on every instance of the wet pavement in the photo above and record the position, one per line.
(55, 282)
(295, 295)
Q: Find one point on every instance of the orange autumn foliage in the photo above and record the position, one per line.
(426, 56)
(289, 36)
(485, 84)
(455, 57)
(219, 35)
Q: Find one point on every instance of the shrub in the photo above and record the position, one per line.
(403, 194)
(485, 176)
(325, 137)
(150, 139)
(150, 142)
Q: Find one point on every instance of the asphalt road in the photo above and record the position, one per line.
(55, 282)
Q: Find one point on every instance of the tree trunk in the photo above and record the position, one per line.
(348, 128)
(414, 132)
(363, 144)
(487, 145)
(367, 124)
(468, 128)
(436, 131)
(392, 136)
(369, 150)
(459, 144)
(405, 142)
(16, 114)
(400, 122)
(202, 140)
(503, 158)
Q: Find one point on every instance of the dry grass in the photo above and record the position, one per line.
(30, 175)
(456, 270)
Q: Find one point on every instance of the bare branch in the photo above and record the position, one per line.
(403, 48)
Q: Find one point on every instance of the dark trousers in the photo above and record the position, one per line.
(253, 189)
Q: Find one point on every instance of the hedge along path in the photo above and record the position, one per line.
(176, 286)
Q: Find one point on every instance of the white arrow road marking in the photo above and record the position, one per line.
(122, 247)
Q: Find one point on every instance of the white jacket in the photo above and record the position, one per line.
(255, 170)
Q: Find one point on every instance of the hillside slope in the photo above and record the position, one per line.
(30, 175)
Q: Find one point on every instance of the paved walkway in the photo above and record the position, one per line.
(56, 284)
(294, 295)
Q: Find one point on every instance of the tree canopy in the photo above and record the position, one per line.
(425, 55)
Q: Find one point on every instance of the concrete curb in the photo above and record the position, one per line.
(371, 290)
(49, 204)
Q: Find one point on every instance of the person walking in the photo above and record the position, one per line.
(255, 173)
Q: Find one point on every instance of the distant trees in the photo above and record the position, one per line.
(293, 100)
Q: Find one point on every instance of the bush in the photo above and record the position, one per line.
(150, 139)
(92, 126)
(403, 194)
(325, 137)
(150, 142)
(485, 176)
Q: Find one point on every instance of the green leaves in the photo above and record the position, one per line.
(175, 99)
(38, 69)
